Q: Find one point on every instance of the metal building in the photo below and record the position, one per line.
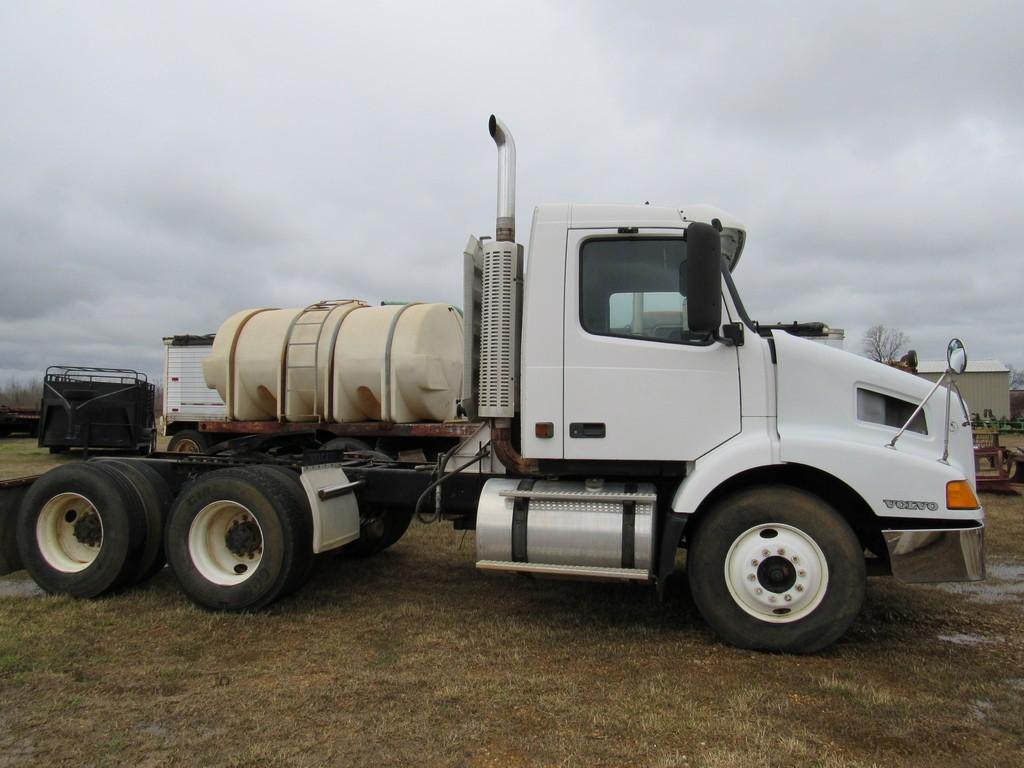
(985, 385)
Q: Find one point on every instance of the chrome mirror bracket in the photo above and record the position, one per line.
(942, 378)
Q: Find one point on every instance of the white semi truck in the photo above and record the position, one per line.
(608, 403)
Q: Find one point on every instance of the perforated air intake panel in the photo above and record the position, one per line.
(499, 329)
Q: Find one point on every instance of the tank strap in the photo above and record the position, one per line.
(520, 516)
(629, 528)
(385, 406)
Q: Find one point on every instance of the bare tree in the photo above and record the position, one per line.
(21, 393)
(1016, 378)
(884, 344)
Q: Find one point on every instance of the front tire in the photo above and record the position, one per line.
(775, 568)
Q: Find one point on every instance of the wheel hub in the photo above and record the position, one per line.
(243, 539)
(69, 532)
(225, 542)
(87, 528)
(776, 573)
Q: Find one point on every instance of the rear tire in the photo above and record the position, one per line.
(154, 496)
(80, 530)
(378, 532)
(353, 445)
(305, 559)
(235, 539)
(774, 568)
(189, 441)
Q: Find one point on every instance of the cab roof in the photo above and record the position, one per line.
(607, 216)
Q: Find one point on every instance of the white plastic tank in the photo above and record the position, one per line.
(339, 361)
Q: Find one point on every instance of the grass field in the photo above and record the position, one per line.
(414, 658)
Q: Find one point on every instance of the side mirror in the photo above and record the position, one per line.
(702, 280)
(956, 356)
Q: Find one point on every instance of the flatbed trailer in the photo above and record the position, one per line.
(14, 421)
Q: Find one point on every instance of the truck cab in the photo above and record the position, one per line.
(642, 390)
(608, 357)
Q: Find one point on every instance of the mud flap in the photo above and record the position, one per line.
(332, 502)
(671, 534)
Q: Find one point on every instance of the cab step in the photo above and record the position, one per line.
(573, 571)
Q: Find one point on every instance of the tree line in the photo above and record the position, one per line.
(28, 393)
(886, 344)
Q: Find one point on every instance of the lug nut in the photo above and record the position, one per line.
(803, 573)
(772, 599)
(787, 598)
(765, 553)
(751, 577)
(796, 559)
(754, 562)
(782, 550)
(758, 591)
(799, 587)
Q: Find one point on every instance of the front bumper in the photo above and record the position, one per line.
(938, 554)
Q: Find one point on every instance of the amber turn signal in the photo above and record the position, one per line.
(960, 495)
(544, 429)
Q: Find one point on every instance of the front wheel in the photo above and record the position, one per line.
(775, 568)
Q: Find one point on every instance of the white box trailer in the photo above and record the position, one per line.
(617, 404)
(188, 402)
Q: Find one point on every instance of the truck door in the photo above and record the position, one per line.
(638, 384)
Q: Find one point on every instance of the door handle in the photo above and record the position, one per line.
(587, 429)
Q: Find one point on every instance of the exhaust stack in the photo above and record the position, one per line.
(505, 227)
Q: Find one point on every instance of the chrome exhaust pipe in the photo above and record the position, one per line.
(505, 228)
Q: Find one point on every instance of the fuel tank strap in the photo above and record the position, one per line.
(520, 515)
(629, 529)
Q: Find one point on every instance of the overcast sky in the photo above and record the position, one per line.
(163, 165)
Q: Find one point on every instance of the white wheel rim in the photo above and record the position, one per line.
(776, 573)
(221, 551)
(69, 532)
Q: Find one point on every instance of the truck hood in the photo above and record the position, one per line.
(817, 400)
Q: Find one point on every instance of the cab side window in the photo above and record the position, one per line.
(635, 288)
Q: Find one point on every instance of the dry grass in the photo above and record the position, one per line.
(414, 658)
(21, 457)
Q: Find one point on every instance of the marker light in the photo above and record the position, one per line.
(960, 495)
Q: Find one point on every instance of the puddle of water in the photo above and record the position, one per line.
(19, 588)
(963, 638)
(1004, 584)
(980, 708)
(1006, 572)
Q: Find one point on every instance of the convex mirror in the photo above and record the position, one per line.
(956, 356)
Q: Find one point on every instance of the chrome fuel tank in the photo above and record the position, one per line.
(579, 525)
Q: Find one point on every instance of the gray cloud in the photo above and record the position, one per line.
(166, 165)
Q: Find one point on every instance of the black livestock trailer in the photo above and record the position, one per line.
(96, 408)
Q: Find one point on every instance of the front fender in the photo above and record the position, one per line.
(894, 483)
(756, 446)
